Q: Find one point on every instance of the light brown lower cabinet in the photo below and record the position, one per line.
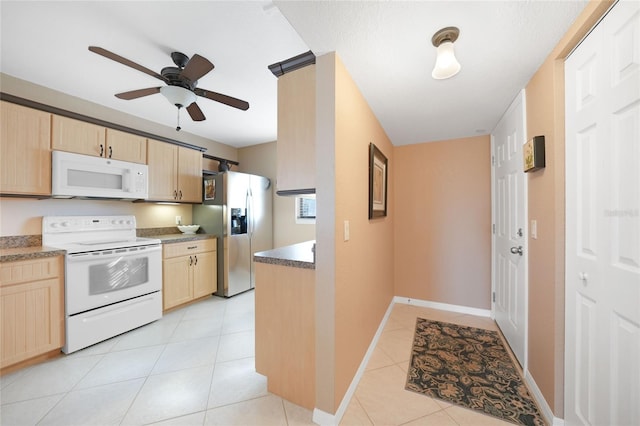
(189, 272)
(285, 331)
(31, 308)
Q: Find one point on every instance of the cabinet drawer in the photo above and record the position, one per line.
(30, 270)
(187, 248)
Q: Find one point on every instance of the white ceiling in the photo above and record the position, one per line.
(386, 47)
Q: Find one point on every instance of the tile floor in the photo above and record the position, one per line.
(195, 366)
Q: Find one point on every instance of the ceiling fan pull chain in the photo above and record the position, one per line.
(178, 125)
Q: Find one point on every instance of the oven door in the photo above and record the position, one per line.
(101, 278)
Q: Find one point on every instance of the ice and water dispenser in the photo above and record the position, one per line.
(238, 221)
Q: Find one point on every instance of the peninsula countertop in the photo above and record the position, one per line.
(300, 255)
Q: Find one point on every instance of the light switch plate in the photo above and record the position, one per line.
(346, 230)
(178, 220)
(534, 229)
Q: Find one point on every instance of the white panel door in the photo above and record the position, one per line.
(510, 227)
(602, 283)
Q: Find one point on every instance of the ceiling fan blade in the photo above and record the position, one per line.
(125, 61)
(195, 112)
(134, 94)
(219, 97)
(196, 68)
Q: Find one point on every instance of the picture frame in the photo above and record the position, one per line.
(377, 182)
(209, 189)
(533, 154)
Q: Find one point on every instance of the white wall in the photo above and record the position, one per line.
(23, 216)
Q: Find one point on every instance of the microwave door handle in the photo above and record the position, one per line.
(126, 180)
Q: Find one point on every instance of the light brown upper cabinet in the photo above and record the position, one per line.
(175, 173)
(297, 130)
(25, 156)
(86, 138)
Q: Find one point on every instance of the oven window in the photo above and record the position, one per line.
(118, 274)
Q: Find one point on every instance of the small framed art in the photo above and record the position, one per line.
(377, 182)
(533, 153)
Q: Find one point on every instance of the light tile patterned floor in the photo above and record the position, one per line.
(195, 366)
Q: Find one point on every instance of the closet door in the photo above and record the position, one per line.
(602, 336)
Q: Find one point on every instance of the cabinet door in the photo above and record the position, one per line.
(78, 136)
(25, 157)
(162, 159)
(126, 146)
(176, 281)
(296, 129)
(205, 277)
(31, 309)
(189, 175)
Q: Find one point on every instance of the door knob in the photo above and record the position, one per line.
(517, 250)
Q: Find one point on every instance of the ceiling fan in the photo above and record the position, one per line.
(181, 82)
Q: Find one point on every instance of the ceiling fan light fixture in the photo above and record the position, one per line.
(446, 63)
(178, 96)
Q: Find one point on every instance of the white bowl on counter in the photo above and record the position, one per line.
(188, 229)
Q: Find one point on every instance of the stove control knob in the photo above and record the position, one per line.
(128, 222)
(54, 224)
(64, 224)
(121, 221)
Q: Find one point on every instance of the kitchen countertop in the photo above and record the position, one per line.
(181, 238)
(13, 252)
(27, 253)
(297, 256)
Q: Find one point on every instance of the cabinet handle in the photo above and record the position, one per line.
(180, 192)
(192, 247)
(175, 194)
(110, 152)
(190, 260)
(101, 150)
(196, 257)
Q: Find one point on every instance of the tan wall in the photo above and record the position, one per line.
(262, 160)
(443, 230)
(545, 116)
(364, 264)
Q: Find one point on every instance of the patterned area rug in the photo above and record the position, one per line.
(469, 367)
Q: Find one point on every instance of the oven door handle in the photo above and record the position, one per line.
(89, 257)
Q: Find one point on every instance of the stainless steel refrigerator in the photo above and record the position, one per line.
(237, 207)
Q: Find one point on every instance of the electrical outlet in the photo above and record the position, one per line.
(178, 220)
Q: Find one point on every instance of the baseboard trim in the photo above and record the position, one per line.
(326, 419)
(547, 413)
(443, 306)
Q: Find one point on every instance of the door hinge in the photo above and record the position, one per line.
(494, 297)
(493, 228)
(493, 160)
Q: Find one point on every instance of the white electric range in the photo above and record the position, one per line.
(113, 279)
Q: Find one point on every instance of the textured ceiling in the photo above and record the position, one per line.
(385, 46)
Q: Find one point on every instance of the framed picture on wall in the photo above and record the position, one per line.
(209, 188)
(377, 182)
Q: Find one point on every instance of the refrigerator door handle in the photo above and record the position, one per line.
(247, 205)
(251, 219)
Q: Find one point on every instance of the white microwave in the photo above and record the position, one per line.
(77, 175)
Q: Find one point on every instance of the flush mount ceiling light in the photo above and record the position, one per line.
(446, 63)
